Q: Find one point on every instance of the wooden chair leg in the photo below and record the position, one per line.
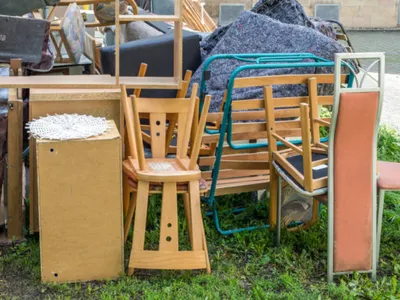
(186, 205)
(278, 211)
(208, 265)
(169, 218)
(273, 198)
(197, 229)
(129, 217)
(142, 200)
(126, 195)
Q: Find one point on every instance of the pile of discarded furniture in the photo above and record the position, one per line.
(242, 123)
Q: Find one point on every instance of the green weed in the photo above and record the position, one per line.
(245, 265)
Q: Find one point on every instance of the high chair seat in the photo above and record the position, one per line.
(158, 169)
(297, 162)
(389, 175)
(157, 186)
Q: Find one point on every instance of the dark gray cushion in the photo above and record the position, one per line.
(157, 52)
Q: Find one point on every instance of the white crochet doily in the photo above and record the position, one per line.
(67, 127)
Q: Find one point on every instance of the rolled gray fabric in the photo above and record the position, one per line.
(21, 7)
(256, 33)
(285, 11)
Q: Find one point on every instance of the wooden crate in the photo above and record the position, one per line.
(98, 103)
(80, 206)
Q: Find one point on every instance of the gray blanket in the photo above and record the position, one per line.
(256, 33)
(285, 11)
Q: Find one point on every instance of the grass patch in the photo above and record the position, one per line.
(245, 265)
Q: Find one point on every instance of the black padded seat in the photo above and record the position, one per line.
(297, 162)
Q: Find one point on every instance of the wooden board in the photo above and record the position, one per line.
(99, 103)
(14, 177)
(87, 82)
(80, 203)
(82, 2)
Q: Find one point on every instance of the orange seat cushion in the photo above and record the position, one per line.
(389, 175)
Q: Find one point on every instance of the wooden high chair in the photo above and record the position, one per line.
(168, 176)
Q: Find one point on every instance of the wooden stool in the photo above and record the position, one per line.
(169, 176)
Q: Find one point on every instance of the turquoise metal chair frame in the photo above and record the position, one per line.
(259, 61)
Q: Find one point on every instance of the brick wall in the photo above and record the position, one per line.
(353, 13)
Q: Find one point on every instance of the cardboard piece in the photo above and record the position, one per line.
(98, 103)
(80, 206)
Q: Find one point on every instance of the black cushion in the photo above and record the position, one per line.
(157, 52)
(297, 162)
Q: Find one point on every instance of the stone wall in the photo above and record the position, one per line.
(353, 13)
(361, 13)
(212, 6)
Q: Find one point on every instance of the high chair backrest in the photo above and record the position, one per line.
(158, 109)
(352, 171)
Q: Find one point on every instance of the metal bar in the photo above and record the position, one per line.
(279, 213)
(380, 219)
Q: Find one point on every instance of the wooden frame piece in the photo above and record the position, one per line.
(172, 82)
(14, 184)
(90, 52)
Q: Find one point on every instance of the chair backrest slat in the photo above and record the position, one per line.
(157, 133)
(182, 153)
(158, 110)
(128, 112)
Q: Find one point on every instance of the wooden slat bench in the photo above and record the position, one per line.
(247, 170)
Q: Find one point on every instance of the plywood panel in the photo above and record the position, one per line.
(98, 103)
(80, 205)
